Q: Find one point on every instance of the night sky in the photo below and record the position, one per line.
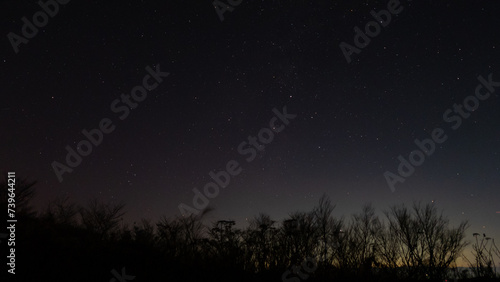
(225, 78)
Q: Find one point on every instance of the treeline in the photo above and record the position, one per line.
(66, 241)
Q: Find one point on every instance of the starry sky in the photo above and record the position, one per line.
(225, 77)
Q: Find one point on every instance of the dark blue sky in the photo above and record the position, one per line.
(352, 120)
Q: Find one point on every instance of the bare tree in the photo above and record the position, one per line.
(354, 246)
(182, 238)
(170, 234)
(484, 251)
(427, 245)
(365, 231)
(101, 218)
(144, 233)
(442, 245)
(326, 225)
(61, 211)
(405, 234)
(225, 244)
(261, 238)
(388, 249)
(307, 235)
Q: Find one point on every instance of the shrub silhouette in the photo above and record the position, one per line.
(84, 243)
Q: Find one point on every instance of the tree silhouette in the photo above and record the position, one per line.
(61, 211)
(101, 218)
(484, 251)
(408, 243)
(427, 246)
(326, 225)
